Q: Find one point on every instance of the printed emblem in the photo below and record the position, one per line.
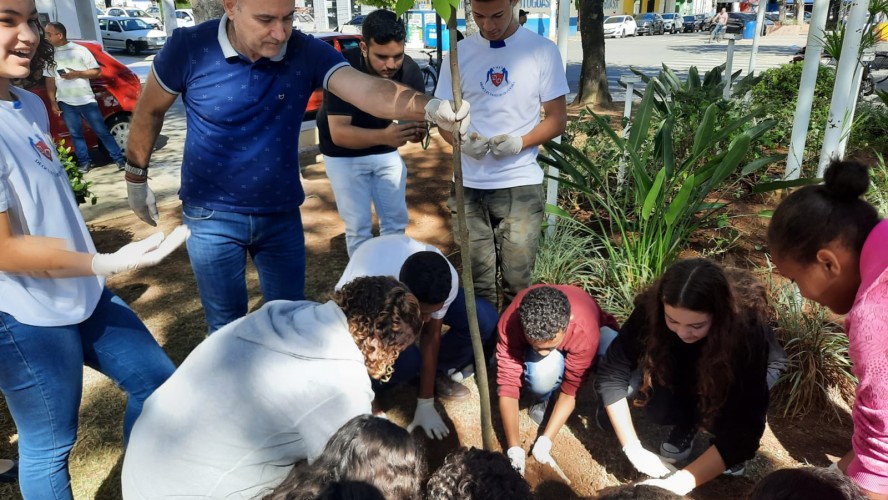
(496, 82)
(497, 77)
(41, 148)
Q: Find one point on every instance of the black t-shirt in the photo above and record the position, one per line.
(409, 75)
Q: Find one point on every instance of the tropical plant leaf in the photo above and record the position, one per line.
(680, 201)
(653, 194)
(755, 165)
(703, 137)
(765, 187)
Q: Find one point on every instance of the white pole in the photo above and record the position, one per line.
(840, 113)
(629, 81)
(169, 16)
(759, 24)
(867, 56)
(726, 94)
(813, 53)
(563, 29)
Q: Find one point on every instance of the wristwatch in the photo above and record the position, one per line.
(135, 170)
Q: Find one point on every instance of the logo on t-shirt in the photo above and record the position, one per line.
(496, 82)
(40, 146)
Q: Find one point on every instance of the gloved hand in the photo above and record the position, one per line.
(427, 417)
(141, 201)
(139, 254)
(440, 112)
(517, 457)
(645, 461)
(506, 145)
(475, 145)
(542, 450)
(681, 483)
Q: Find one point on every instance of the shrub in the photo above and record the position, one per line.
(75, 177)
(778, 90)
(878, 191)
(817, 349)
(868, 130)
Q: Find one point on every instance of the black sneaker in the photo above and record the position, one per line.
(120, 166)
(677, 446)
(736, 469)
(84, 168)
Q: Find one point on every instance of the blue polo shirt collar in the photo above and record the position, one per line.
(228, 50)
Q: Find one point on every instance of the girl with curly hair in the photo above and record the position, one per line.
(832, 243)
(267, 391)
(700, 340)
(368, 450)
(56, 314)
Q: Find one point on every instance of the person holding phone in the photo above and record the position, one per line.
(71, 96)
(361, 150)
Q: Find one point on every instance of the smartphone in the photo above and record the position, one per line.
(405, 122)
(61, 72)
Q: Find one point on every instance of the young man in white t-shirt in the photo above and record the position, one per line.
(509, 75)
(71, 96)
(434, 282)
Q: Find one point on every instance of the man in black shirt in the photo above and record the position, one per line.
(360, 150)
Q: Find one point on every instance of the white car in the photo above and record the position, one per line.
(130, 34)
(673, 22)
(134, 13)
(184, 18)
(619, 26)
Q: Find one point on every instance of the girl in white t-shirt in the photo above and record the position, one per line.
(56, 314)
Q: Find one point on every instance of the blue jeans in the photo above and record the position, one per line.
(41, 376)
(456, 345)
(93, 116)
(218, 249)
(543, 374)
(356, 182)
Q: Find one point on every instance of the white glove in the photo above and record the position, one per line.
(141, 201)
(506, 145)
(517, 457)
(139, 254)
(542, 450)
(645, 461)
(427, 417)
(475, 145)
(440, 112)
(681, 483)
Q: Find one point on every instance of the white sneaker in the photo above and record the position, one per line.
(459, 376)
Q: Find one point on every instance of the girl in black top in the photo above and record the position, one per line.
(700, 339)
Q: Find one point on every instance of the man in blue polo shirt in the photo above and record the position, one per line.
(245, 80)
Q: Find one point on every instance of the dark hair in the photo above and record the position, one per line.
(427, 274)
(350, 490)
(804, 483)
(815, 216)
(636, 492)
(377, 308)
(367, 449)
(738, 306)
(383, 26)
(59, 27)
(473, 474)
(522, 12)
(544, 311)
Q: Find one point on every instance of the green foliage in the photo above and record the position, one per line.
(75, 177)
(778, 90)
(645, 220)
(878, 191)
(442, 7)
(868, 129)
(817, 350)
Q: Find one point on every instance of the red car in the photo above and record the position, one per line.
(340, 42)
(117, 91)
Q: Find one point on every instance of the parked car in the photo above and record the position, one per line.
(303, 22)
(136, 13)
(341, 42)
(690, 24)
(154, 11)
(619, 26)
(354, 26)
(130, 34)
(672, 22)
(737, 22)
(184, 18)
(117, 90)
(649, 24)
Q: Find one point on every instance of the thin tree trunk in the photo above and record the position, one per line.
(205, 10)
(487, 437)
(471, 27)
(593, 75)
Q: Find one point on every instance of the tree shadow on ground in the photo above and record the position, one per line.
(808, 440)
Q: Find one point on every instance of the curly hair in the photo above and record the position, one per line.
(43, 59)
(428, 276)
(836, 206)
(368, 451)
(383, 318)
(544, 312)
(737, 303)
(473, 474)
(806, 482)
